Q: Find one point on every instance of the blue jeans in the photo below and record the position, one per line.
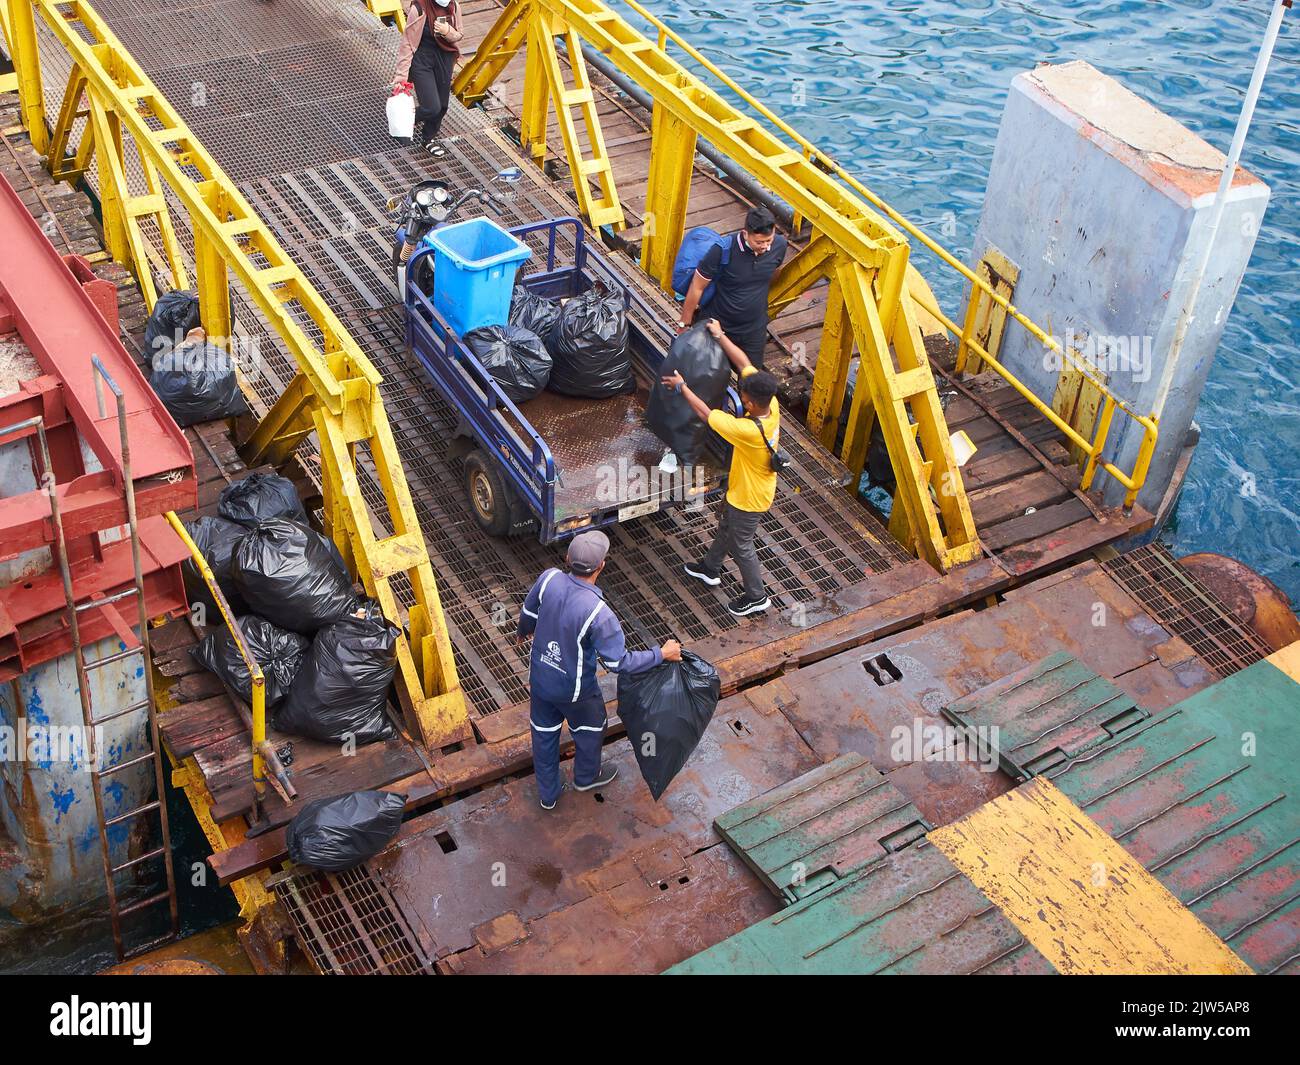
(586, 720)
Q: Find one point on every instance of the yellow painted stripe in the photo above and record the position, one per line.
(1287, 660)
(1082, 900)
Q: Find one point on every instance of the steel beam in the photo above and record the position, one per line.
(672, 164)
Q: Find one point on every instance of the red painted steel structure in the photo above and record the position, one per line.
(65, 316)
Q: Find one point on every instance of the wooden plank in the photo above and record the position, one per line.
(1002, 502)
(1033, 526)
(374, 766)
(194, 726)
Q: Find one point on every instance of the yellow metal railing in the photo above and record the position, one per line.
(859, 250)
(336, 391)
(1092, 448)
(980, 288)
(260, 753)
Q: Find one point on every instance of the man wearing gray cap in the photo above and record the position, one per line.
(573, 628)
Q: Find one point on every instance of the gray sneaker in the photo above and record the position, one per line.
(606, 774)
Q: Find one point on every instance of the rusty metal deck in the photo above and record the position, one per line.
(588, 878)
(1200, 836)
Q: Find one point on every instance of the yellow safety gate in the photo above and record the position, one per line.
(858, 244)
(335, 393)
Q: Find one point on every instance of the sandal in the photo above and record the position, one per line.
(435, 148)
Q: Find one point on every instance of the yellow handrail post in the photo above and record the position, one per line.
(968, 327)
(1146, 450)
(1098, 442)
(535, 114)
(831, 378)
(250, 663)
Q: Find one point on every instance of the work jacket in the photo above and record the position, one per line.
(573, 628)
(410, 40)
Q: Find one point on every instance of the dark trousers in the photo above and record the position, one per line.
(586, 720)
(736, 532)
(431, 70)
(748, 337)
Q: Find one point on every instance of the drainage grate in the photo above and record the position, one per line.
(349, 925)
(1187, 608)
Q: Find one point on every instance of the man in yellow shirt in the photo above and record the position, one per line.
(751, 484)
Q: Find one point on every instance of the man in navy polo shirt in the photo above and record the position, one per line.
(573, 629)
(741, 283)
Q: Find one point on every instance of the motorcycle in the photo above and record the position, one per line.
(430, 205)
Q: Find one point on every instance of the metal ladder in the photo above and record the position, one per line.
(84, 669)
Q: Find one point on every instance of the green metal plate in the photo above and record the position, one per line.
(1205, 797)
(1044, 714)
(821, 827)
(911, 912)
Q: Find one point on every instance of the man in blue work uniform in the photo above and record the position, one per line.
(573, 628)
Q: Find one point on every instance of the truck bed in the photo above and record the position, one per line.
(592, 440)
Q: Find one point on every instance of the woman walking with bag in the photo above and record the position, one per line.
(426, 56)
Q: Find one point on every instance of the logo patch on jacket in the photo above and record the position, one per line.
(552, 657)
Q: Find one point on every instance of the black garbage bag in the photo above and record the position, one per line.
(174, 315)
(260, 496)
(530, 311)
(197, 383)
(216, 540)
(665, 711)
(341, 691)
(707, 370)
(278, 651)
(515, 357)
(291, 575)
(589, 345)
(341, 832)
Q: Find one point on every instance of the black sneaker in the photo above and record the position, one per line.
(743, 605)
(563, 788)
(435, 148)
(702, 572)
(606, 774)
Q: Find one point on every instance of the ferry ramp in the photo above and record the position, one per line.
(288, 98)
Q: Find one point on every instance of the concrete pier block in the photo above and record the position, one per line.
(1104, 203)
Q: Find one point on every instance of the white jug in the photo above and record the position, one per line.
(401, 114)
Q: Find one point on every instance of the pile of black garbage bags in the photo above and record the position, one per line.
(578, 347)
(327, 655)
(195, 379)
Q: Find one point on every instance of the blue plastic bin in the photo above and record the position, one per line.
(474, 267)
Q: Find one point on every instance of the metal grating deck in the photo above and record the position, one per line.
(348, 925)
(333, 218)
(1188, 609)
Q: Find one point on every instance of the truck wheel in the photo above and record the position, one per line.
(489, 498)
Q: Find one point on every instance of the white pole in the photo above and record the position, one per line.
(1220, 202)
